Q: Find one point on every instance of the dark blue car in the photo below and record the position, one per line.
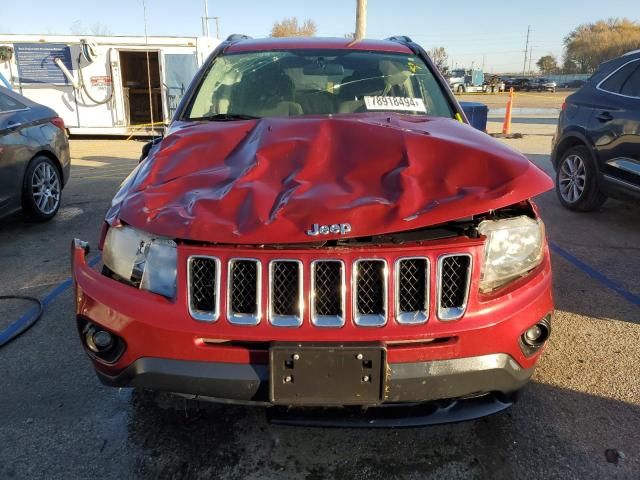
(596, 148)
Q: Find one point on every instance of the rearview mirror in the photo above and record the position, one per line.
(323, 69)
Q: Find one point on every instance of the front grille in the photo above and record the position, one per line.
(327, 286)
(412, 290)
(204, 282)
(286, 293)
(244, 291)
(453, 291)
(367, 288)
(370, 293)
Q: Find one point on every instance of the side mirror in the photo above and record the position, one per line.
(147, 148)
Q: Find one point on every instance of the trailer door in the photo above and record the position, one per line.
(178, 69)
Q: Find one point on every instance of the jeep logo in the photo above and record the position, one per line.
(341, 228)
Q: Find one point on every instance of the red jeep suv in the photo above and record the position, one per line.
(320, 227)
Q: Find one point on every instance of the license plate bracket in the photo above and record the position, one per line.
(317, 375)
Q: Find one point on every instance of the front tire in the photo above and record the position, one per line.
(460, 89)
(576, 181)
(41, 189)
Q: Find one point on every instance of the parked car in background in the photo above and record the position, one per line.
(541, 85)
(573, 84)
(517, 84)
(596, 147)
(34, 157)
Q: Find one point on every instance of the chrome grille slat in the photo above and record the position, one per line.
(244, 291)
(204, 287)
(328, 293)
(285, 287)
(412, 290)
(454, 278)
(370, 292)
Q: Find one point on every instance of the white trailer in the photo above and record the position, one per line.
(104, 85)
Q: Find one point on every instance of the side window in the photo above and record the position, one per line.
(631, 86)
(7, 103)
(616, 82)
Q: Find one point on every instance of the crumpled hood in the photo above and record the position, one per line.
(269, 180)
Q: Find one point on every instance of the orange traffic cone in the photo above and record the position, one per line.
(506, 126)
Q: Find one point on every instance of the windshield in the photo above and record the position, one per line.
(296, 82)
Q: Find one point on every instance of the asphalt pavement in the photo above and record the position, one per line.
(579, 418)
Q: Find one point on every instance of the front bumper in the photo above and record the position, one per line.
(166, 350)
(248, 383)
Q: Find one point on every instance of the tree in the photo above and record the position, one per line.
(289, 28)
(547, 64)
(100, 29)
(440, 58)
(569, 66)
(590, 44)
(78, 28)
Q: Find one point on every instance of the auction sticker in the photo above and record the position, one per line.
(394, 103)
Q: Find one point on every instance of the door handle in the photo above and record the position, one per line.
(605, 117)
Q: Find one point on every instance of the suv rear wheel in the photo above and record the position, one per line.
(576, 182)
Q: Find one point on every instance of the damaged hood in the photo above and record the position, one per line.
(270, 180)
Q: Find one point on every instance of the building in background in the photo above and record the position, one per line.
(104, 85)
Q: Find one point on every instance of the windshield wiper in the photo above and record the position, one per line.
(224, 117)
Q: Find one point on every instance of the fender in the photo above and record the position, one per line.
(570, 136)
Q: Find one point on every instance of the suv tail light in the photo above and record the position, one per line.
(58, 122)
(564, 106)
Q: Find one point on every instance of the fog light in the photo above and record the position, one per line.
(101, 345)
(102, 340)
(98, 341)
(532, 336)
(535, 336)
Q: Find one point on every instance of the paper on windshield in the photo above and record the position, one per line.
(394, 103)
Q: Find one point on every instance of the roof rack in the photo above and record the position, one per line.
(632, 52)
(236, 37)
(400, 38)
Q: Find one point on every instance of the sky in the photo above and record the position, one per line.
(489, 34)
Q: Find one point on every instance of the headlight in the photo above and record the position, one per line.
(514, 247)
(144, 260)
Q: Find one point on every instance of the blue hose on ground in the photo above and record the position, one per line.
(18, 328)
(29, 319)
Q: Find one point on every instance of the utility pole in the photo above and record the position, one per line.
(526, 50)
(217, 19)
(205, 20)
(361, 19)
(530, 57)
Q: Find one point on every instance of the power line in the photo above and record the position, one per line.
(526, 50)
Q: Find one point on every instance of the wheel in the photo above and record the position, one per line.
(460, 89)
(41, 189)
(576, 181)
